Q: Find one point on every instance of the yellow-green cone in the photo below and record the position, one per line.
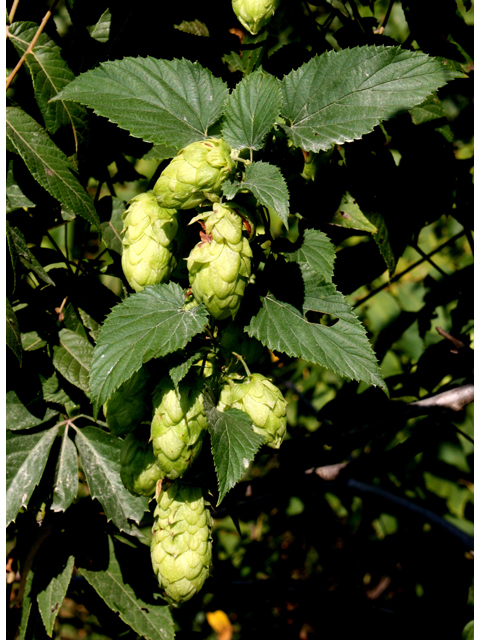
(128, 406)
(148, 242)
(255, 14)
(139, 470)
(181, 548)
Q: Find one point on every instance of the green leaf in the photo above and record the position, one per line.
(196, 28)
(14, 340)
(314, 249)
(178, 373)
(66, 475)
(101, 31)
(31, 341)
(268, 186)
(91, 324)
(234, 443)
(468, 631)
(26, 256)
(342, 347)
(382, 240)
(146, 325)
(430, 109)
(100, 455)
(72, 321)
(25, 416)
(52, 391)
(48, 165)
(350, 216)
(50, 74)
(27, 456)
(27, 603)
(72, 358)
(16, 199)
(341, 96)
(161, 101)
(51, 597)
(151, 621)
(112, 230)
(251, 111)
(160, 152)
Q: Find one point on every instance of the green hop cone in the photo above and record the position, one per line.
(148, 247)
(139, 470)
(220, 265)
(198, 169)
(255, 14)
(128, 406)
(263, 402)
(178, 426)
(181, 548)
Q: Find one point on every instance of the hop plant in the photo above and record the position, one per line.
(198, 169)
(233, 338)
(139, 470)
(126, 409)
(254, 14)
(263, 402)
(148, 247)
(181, 548)
(220, 265)
(178, 425)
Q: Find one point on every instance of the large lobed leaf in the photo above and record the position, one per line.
(340, 96)
(100, 455)
(314, 249)
(152, 621)
(161, 101)
(48, 165)
(234, 443)
(27, 456)
(146, 325)
(251, 111)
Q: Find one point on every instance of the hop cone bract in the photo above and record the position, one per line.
(148, 246)
(128, 406)
(199, 168)
(178, 425)
(254, 14)
(263, 402)
(181, 548)
(220, 265)
(139, 470)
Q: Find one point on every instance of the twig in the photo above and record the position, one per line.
(32, 44)
(13, 10)
(356, 14)
(454, 399)
(456, 343)
(465, 435)
(67, 262)
(328, 472)
(429, 260)
(410, 268)
(381, 29)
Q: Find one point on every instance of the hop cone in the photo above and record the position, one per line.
(199, 168)
(263, 402)
(178, 425)
(147, 244)
(254, 14)
(128, 406)
(139, 471)
(220, 265)
(181, 548)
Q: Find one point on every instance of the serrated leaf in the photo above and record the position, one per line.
(152, 621)
(161, 101)
(382, 240)
(196, 28)
(101, 30)
(341, 96)
(48, 165)
(66, 475)
(52, 391)
(25, 416)
(27, 456)
(91, 324)
(251, 111)
(267, 184)
(315, 250)
(26, 256)
(14, 340)
(15, 197)
(430, 109)
(50, 74)
(350, 216)
(342, 347)
(146, 325)
(112, 230)
(72, 358)
(160, 152)
(234, 60)
(253, 50)
(178, 373)
(27, 603)
(234, 443)
(51, 597)
(100, 455)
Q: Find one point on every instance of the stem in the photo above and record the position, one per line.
(356, 15)
(32, 44)
(13, 10)
(410, 268)
(464, 435)
(387, 16)
(45, 531)
(242, 360)
(429, 260)
(67, 262)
